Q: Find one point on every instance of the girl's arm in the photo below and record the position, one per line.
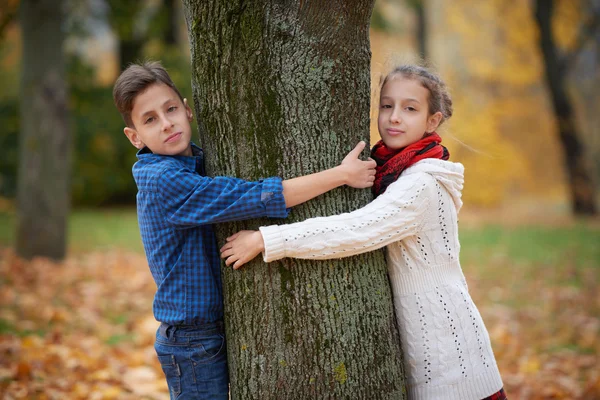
(394, 215)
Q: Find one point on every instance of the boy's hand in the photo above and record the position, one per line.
(358, 174)
(242, 247)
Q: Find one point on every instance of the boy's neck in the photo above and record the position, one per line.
(192, 151)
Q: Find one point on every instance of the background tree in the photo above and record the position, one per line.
(282, 88)
(421, 29)
(125, 18)
(45, 145)
(581, 184)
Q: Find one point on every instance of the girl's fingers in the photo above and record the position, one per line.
(238, 264)
(232, 237)
(226, 253)
(231, 259)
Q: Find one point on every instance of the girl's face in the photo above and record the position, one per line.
(404, 113)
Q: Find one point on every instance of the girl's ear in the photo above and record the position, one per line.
(188, 110)
(434, 121)
(133, 137)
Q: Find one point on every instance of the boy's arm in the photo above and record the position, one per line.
(352, 172)
(191, 200)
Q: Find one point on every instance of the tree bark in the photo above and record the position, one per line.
(581, 183)
(282, 88)
(43, 194)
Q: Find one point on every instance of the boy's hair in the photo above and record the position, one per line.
(439, 97)
(134, 80)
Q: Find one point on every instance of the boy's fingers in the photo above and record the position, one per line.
(358, 148)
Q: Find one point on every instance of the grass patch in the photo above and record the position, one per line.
(90, 230)
(573, 247)
(99, 229)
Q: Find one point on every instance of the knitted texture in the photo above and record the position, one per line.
(447, 351)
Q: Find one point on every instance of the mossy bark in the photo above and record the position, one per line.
(43, 193)
(282, 88)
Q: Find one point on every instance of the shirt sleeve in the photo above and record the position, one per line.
(397, 213)
(190, 199)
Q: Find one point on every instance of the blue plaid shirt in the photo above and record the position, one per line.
(177, 205)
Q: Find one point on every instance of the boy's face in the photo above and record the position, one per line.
(161, 122)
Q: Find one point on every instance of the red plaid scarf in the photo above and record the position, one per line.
(497, 396)
(391, 163)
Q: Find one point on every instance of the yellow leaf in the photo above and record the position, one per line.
(530, 366)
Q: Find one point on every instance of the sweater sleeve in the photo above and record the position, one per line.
(397, 213)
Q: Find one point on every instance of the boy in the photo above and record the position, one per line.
(177, 205)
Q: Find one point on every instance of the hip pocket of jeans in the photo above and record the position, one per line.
(207, 348)
(172, 373)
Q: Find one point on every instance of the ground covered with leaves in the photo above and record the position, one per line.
(83, 328)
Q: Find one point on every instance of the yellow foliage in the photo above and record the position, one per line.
(503, 129)
(568, 16)
(493, 164)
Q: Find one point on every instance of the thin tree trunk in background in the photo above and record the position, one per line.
(124, 18)
(282, 88)
(581, 184)
(421, 28)
(43, 193)
(129, 51)
(173, 22)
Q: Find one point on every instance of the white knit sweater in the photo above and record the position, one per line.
(447, 351)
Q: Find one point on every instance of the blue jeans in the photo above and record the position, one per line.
(194, 360)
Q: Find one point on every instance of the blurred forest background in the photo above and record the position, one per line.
(83, 327)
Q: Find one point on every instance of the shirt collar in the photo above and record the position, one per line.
(195, 161)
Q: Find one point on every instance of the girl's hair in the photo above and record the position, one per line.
(439, 97)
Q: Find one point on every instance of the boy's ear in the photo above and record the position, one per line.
(133, 137)
(188, 110)
(434, 121)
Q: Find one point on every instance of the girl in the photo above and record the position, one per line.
(446, 347)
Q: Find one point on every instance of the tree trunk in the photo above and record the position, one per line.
(282, 88)
(43, 193)
(124, 18)
(129, 52)
(581, 184)
(421, 28)
(171, 29)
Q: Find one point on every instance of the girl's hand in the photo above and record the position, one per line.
(242, 247)
(357, 173)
